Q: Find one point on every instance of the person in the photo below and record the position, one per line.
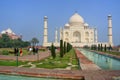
(33, 50)
(30, 50)
(21, 53)
(36, 50)
(16, 50)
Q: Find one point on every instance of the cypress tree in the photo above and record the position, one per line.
(101, 47)
(70, 46)
(61, 48)
(110, 48)
(53, 51)
(91, 47)
(105, 48)
(95, 47)
(64, 47)
(67, 47)
(98, 47)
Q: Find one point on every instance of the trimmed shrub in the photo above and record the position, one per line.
(65, 48)
(53, 51)
(61, 48)
(5, 52)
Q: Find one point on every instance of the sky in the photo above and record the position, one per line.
(25, 17)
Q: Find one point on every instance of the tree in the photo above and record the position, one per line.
(5, 38)
(101, 47)
(86, 47)
(105, 48)
(65, 48)
(34, 41)
(53, 51)
(61, 48)
(93, 47)
(110, 48)
(98, 47)
(7, 42)
(69, 47)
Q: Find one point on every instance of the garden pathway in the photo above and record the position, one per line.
(88, 73)
(74, 74)
(42, 55)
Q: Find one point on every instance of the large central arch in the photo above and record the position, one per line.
(76, 36)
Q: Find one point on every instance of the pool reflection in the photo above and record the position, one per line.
(103, 61)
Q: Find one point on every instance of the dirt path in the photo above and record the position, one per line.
(40, 55)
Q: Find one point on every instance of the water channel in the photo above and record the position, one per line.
(12, 77)
(103, 61)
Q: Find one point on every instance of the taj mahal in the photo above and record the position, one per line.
(78, 33)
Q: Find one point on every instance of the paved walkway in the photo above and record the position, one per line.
(41, 55)
(73, 74)
(84, 63)
(89, 70)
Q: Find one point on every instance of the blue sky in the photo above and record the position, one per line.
(25, 17)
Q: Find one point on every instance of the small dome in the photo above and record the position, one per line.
(9, 30)
(76, 19)
(67, 25)
(3, 32)
(86, 24)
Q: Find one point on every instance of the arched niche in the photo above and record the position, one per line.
(66, 39)
(76, 36)
(86, 34)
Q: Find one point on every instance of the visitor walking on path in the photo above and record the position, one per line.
(21, 53)
(16, 50)
(30, 50)
(33, 50)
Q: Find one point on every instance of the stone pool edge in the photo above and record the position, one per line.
(38, 72)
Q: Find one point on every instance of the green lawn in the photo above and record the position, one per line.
(69, 59)
(113, 53)
(58, 62)
(11, 63)
(10, 51)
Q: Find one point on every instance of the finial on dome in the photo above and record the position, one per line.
(45, 17)
(109, 15)
(76, 12)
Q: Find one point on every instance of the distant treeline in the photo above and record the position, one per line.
(7, 42)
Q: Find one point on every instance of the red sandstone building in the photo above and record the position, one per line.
(11, 34)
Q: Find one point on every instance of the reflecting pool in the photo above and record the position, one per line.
(11, 77)
(103, 61)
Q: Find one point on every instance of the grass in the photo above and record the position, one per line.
(11, 51)
(58, 62)
(49, 63)
(11, 63)
(113, 53)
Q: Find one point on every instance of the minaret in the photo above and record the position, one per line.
(45, 31)
(110, 41)
(96, 36)
(56, 36)
(61, 34)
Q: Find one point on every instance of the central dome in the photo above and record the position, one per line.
(76, 19)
